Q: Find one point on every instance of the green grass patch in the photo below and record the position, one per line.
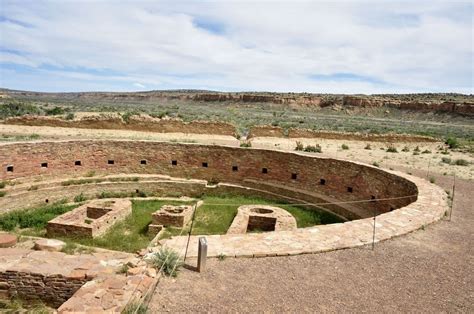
(34, 218)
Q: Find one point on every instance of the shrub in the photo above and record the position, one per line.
(299, 146)
(344, 146)
(461, 162)
(167, 261)
(446, 160)
(221, 256)
(3, 193)
(13, 109)
(135, 307)
(2, 184)
(426, 151)
(69, 116)
(405, 149)
(88, 221)
(80, 198)
(55, 111)
(417, 149)
(33, 188)
(416, 153)
(246, 144)
(127, 115)
(432, 179)
(90, 173)
(313, 148)
(376, 164)
(452, 142)
(392, 149)
(368, 147)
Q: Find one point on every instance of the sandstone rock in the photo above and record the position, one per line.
(7, 240)
(134, 271)
(151, 272)
(51, 245)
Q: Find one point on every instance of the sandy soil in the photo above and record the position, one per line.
(429, 162)
(426, 271)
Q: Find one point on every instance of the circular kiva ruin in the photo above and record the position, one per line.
(99, 182)
(351, 191)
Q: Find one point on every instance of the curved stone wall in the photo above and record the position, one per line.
(313, 179)
(39, 171)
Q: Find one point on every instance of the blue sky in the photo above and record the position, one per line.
(300, 46)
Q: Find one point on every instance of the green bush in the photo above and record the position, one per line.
(368, 147)
(461, 162)
(13, 109)
(452, 142)
(3, 193)
(392, 149)
(405, 149)
(80, 198)
(313, 148)
(135, 307)
(426, 151)
(299, 146)
(246, 144)
(446, 160)
(55, 111)
(2, 184)
(69, 116)
(344, 146)
(167, 261)
(417, 149)
(376, 164)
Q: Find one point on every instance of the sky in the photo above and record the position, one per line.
(340, 46)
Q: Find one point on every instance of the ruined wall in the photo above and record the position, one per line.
(266, 131)
(323, 176)
(53, 290)
(134, 123)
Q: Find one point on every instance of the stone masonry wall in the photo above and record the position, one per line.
(341, 179)
(53, 290)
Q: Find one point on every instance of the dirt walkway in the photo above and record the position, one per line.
(427, 271)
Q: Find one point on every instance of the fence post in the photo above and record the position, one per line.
(202, 254)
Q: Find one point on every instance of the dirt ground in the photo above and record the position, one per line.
(426, 271)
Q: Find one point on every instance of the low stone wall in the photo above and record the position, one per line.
(134, 123)
(266, 131)
(53, 290)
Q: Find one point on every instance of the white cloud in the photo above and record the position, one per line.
(276, 46)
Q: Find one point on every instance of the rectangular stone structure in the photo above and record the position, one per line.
(90, 220)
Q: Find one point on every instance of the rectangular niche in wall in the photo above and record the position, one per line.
(9, 168)
(204, 165)
(44, 165)
(235, 168)
(110, 162)
(264, 170)
(143, 162)
(77, 163)
(294, 176)
(174, 162)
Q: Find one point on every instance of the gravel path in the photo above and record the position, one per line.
(426, 271)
